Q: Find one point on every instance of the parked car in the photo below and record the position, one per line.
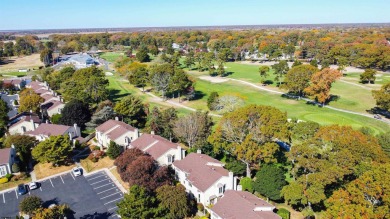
(22, 189)
(76, 171)
(33, 185)
(376, 116)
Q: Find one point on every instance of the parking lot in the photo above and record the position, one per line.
(92, 196)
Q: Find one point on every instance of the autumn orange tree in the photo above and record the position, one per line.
(321, 83)
(29, 100)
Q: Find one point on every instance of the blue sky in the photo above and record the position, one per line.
(53, 14)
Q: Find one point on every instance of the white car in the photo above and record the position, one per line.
(32, 185)
(76, 171)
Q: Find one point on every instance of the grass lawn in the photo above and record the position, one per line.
(43, 170)
(294, 109)
(111, 56)
(90, 166)
(381, 78)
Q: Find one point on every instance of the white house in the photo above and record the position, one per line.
(53, 107)
(204, 177)
(7, 157)
(24, 124)
(119, 132)
(162, 150)
(242, 204)
(44, 131)
(81, 60)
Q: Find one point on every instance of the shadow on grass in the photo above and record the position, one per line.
(379, 111)
(198, 95)
(115, 94)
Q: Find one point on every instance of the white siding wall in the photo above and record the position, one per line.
(17, 129)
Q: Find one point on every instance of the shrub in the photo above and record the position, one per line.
(55, 119)
(15, 168)
(96, 148)
(284, 213)
(114, 150)
(200, 207)
(247, 184)
(96, 155)
(3, 180)
(9, 176)
(21, 176)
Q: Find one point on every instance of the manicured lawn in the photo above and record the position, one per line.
(294, 109)
(111, 56)
(16, 74)
(381, 78)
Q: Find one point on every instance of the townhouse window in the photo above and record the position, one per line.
(221, 189)
(3, 171)
(198, 197)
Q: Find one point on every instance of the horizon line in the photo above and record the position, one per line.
(195, 26)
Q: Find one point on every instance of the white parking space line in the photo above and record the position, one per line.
(40, 187)
(106, 190)
(112, 201)
(98, 181)
(62, 180)
(72, 176)
(3, 198)
(16, 195)
(104, 185)
(110, 195)
(51, 183)
(113, 209)
(96, 177)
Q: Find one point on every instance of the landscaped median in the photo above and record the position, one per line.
(13, 182)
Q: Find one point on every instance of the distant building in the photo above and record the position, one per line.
(242, 204)
(119, 132)
(204, 177)
(162, 150)
(81, 60)
(17, 83)
(52, 107)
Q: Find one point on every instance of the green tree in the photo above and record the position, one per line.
(224, 54)
(382, 97)
(29, 101)
(132, 109)
(249, 132)
(235, 166)
(263, 70)
(314, 63)
(46, 56)
(137, 204)
(296, 63)
(298, 78)
(101, 116)
(162, 122)
(23, 145)
(189, 60)
(368, 76)
(384, 142)
(173, 201)
(212, 100)
(247, 184)
(114, 150)
(30, 204)
(3, 116)
(139, 77)
(302, 131)
(58, 211)
(56, 118)
(55, 150)
(270, 180)
(75, 112)
(142, 55)
(280, 69)
(221, 68)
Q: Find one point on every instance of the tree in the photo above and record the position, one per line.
(162, 122)
(247, 184)
(382, 97)
(298, 78)
(114, 150)
(193, 128)
(88, 85)
(225, 54)
(46, 56)
(263, 70)
(221, 68)
(212, 100)
(23, 145)
(368, 76)
(138, 203)
(270, 180)
(101, 116)
(58, 211)
(15, 168)
(321, 83)
(132, 109)
(229, 103)
(384, 142)
(3, 116)
(189, 60)
(142, 55)
(56, 118)
(235, 166)
(161, 81)
(29, 101)
(302, 131)
(139, 77)
(249, 132)
(280, 69)
(296, 63)
(314, 63)
(126, 158)
(30, 204)
(55, 150)
(365, 197)
(173, 201)
(75, 112)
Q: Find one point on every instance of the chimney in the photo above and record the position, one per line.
(232, 181)
(152, 132)
(47, 121)
(199, 151)
(116, 118)
(77, 130)
(32, 123)
(179, 153)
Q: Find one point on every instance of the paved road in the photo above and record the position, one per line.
(92, 196)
